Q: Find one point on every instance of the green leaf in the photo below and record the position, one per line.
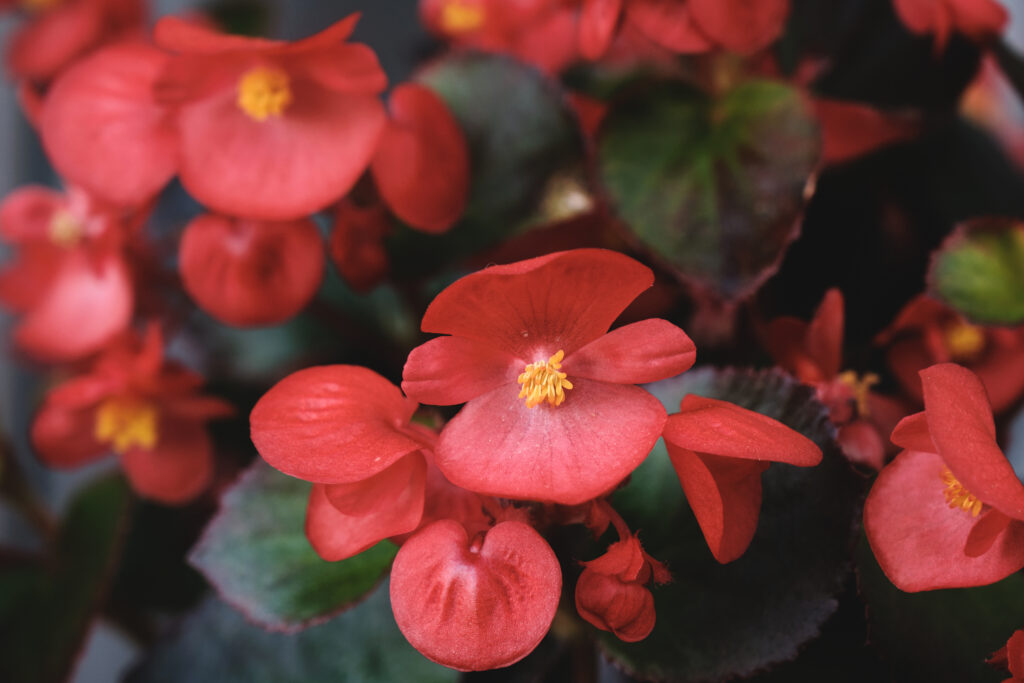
(979, 271)
(46, 611)
(713, 188)
(216, 643)
(718, 621)
(255, 553)
(942, 635)
(526, 152)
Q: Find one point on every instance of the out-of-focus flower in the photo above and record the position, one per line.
(979, 20)
(1011, 657)
(850, 129)
(992, 102)
(357, 243)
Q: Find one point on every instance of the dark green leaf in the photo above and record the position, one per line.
(216, 643)
(714, 188)
(256, 554)
(719, 621)
(979, 271)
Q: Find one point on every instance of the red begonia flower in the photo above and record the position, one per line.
(850, 130)
(247, 272)
(268, 129)
(948, 512)
(357, 243)
(69, 279)
(668, 23)
(58, 32)
(743, 26)
(134, 403)
(475, 603)
(1011, 657)
(551, 412)
(928, 332)
(719, 451)
(598, 21)
(335, 424)
(421, 165)
(980, 20)
(100, 119)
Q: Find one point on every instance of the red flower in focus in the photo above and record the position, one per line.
(57, 32)
(928, 332)
(69, 279)
(146, 409)
(719, 451)
(979, 20)
(247, 272)
(551, 413)
(948, 512)
(1011, 656)
(270, 130)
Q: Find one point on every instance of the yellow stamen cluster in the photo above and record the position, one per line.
(959, 497)
(963, 340)
(861, 388)
(543, 381)
(458, 16)
(65, 230)
(126, 422)
(264, 92)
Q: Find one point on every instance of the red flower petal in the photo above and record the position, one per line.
(25, 213)
(62, 436)
(333, 424)
(644, 351)
(357, 243)
(178, 469)
(473, 606)
(625, 609)
(598, 19)
(961, 426)
(100, 119)
(421, 165)
(862, 444)
(743, 26)
(566, 454)
(919, 540)
(25, 279)
(343, 520)
(1001, 370)
(985, 532)
(825, 334)
(453, 370)
(352, 69)
(979, 19)
(53, 39)
(536, 307)
(668, 23)
(912, 434)
(192, 37)
(850, 129)
(251, 272)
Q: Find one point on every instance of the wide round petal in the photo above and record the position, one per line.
(625, 609)
(668, 23)
(53, 39)
(645, 351)
(421, 165)
(343, 520)
(333, 424)
(919, 540)
(103, 130)
(62, 436)
(25, 213)
(961, 426)
(534, 308)
(743, 26)
(562, 454)
(452, 370)
(473, 606)
(283, 167)
(598, 20)
(251, 272)
(178, 469)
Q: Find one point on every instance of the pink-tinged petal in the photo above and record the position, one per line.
(421, 165)
(343, 520)
(668, 23)
(979, 19)
(473, 606)
(961, 426)
(912, 434)
(743, 26)
(352, 69)
(63, 436)
(707, 425)
(88, 303)
(178, 469)
(26, 213)
(333, 424)
(564, 454)
(452, 370)
(25, 279)
(862, 444)
(825, 334)
(52, 40)
(919, 540)
(283, 167)
(725, 496)
(534, 308)
(103, 130)
(625, 609)
(598, 19)
(193, 37)
(985, 532)
(249, 273)
(645, 351)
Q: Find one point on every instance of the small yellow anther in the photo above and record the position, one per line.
(542, 381)
(126, 422)
(959, 497)
(964, 340)
(264, 92)
(861, 388)
(459, 16)
(65, 230)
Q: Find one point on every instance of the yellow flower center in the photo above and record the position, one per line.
(543, 381)
(126, 422)
(264, 92)
(963, 340)
(959, 497)
(65, 230)
(861, 388)
(459, 16)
